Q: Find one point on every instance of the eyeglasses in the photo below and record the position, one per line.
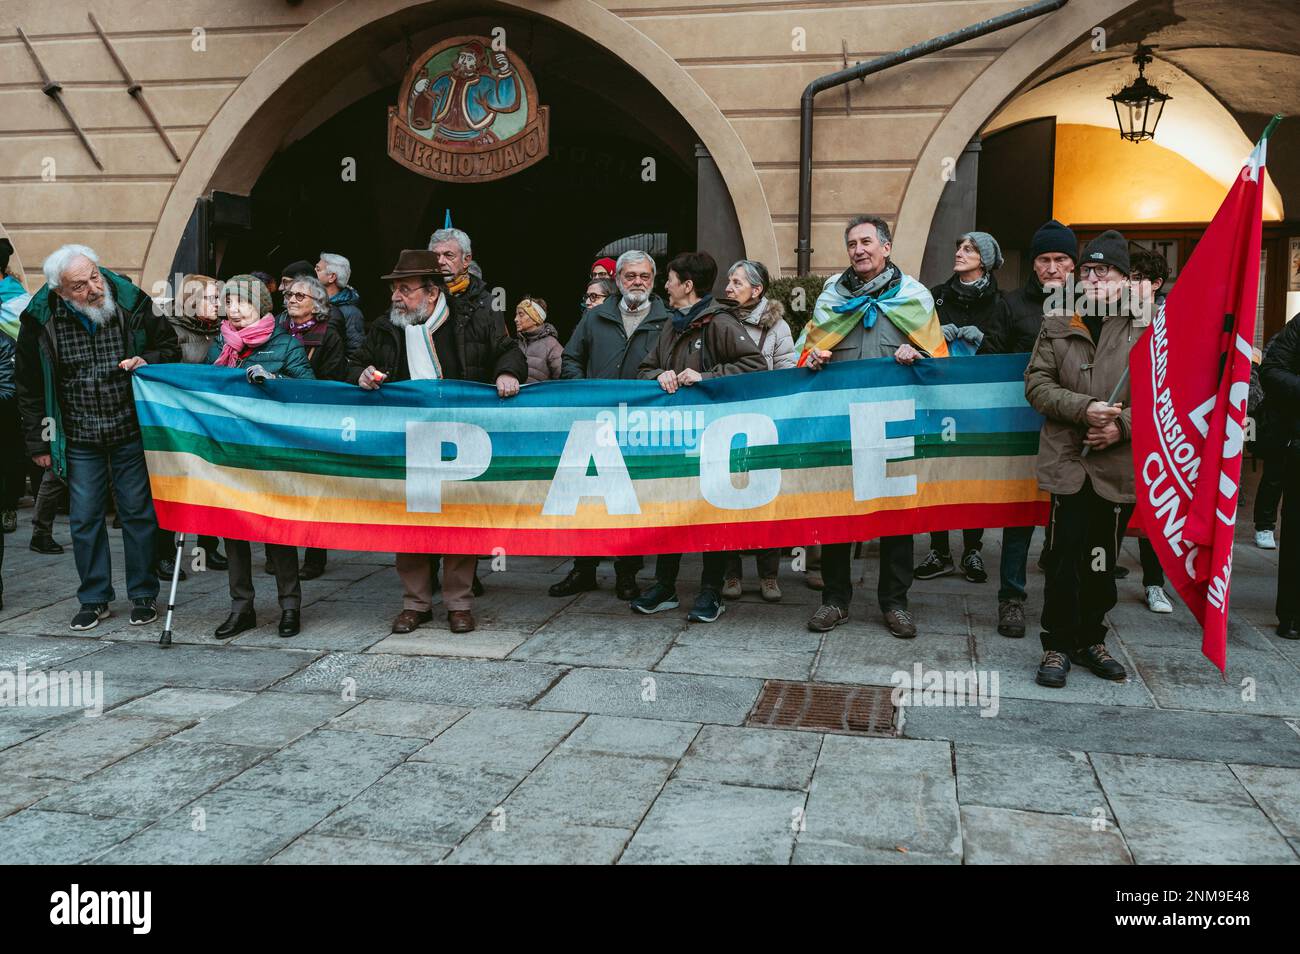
(594, 296)
(1089, 271)
(295, 296)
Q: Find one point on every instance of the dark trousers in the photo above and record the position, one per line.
(623, 566)
(90, 472)
(1080, 581)
(13, 456)
(48, 495)
(1269, 492)
(314, 556)
(164, 545)
(970, 540)
(1288, 560)
(284, 562)
(667, 566)
(1153, 574)
(1014, 566)
(895, 573)
(769, 563)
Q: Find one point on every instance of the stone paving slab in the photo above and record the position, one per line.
(587, 789)
(19, 791)
(434, 639)
(215, 667)
(1277, 792)
(46, 652)
(763, 641)
(345, 627)
(868, 655)
(417, 720)
(1000, 836)
(1016, 663)
(454, 682)
(885, 794)
(767, 758)
(235, 828)
(1184, 679)
(623, 643)
(654, 695)
(710, 823)
(1029, 778)
(156, 781)
(638, 738)
(511, 741)
(270, 721)
(80, 748)
(311, 849)
(540, 845)
(1221, 737)
(324, 768)
(183, 705)
(36, 836)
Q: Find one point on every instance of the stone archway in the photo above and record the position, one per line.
(994, 87)
(242, 137)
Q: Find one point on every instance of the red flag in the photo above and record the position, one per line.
(1190, 375)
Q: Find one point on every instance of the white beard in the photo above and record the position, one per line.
(102, 312)
(635, 299)
(405, 319)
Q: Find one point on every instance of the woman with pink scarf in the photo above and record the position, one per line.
(251, 341)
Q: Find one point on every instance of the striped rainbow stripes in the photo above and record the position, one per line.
(779, 458)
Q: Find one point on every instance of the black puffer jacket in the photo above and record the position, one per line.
(472, 344)
(1279, 372)
(1023, 320)
(957, 304)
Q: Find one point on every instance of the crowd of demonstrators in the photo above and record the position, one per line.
(969, 309)
(611, 340)
(703, 338)
(83, 333)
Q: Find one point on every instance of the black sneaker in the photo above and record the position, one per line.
(164, 569)
(934, 565)
(89, 616)
(656, 599)
(576, 582)
(972, 564)
(44, 543)
(708, 607)
(143, 611)
(1053, 670)
(1101, 662)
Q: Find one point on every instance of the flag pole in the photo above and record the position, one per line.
(1120, 386)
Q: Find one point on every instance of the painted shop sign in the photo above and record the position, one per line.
(468, 113)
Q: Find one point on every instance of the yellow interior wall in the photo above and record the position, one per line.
(1102, 178)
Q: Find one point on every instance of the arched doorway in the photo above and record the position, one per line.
(639, 99)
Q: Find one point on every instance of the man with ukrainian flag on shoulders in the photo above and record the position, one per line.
(870, 310)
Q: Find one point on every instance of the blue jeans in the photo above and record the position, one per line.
(1015, 560)
(89, 471)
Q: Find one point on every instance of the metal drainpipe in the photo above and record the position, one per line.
(804, 250)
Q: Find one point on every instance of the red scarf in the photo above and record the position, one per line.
(237, 342)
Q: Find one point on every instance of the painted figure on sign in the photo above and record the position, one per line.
(461, 104)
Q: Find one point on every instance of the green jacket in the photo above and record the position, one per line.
(281, 354)
(149, 336)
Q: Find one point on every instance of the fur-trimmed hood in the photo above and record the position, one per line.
(768, 312)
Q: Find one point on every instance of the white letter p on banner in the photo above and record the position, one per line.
(426, 470)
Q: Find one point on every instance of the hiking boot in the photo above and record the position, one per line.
(769, 590)
(578, 581)
(1053, 670)
(1101, 662)
(1011, 618)
(708, 607)
(827, 618)
(900, 623)
(89, 616)
(658, 598)
(972, 565)
(731, 588)
(935, 564)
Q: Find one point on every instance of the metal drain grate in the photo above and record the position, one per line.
(823, 707)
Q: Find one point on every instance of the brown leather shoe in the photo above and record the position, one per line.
(409, 620)
(460, 621)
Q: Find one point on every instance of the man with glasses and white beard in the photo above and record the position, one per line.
(610, 341)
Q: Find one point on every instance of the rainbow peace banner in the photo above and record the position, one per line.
(779, 458)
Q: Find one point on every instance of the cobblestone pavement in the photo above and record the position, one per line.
(537, 737)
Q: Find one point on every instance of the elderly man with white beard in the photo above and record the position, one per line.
(79, 339)
(611, 341)
(432, 335)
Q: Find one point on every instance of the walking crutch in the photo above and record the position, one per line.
(165, 640)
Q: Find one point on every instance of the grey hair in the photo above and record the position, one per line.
(755, 273)
(451, 235)
(339, 265)
(607, 287)
(319, 296)
(882, 227)
(58, 261)
(634, 255)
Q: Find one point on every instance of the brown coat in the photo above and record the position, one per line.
(714, 334)
(1066, 373)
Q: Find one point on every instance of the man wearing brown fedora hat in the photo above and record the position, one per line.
(428, 335)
